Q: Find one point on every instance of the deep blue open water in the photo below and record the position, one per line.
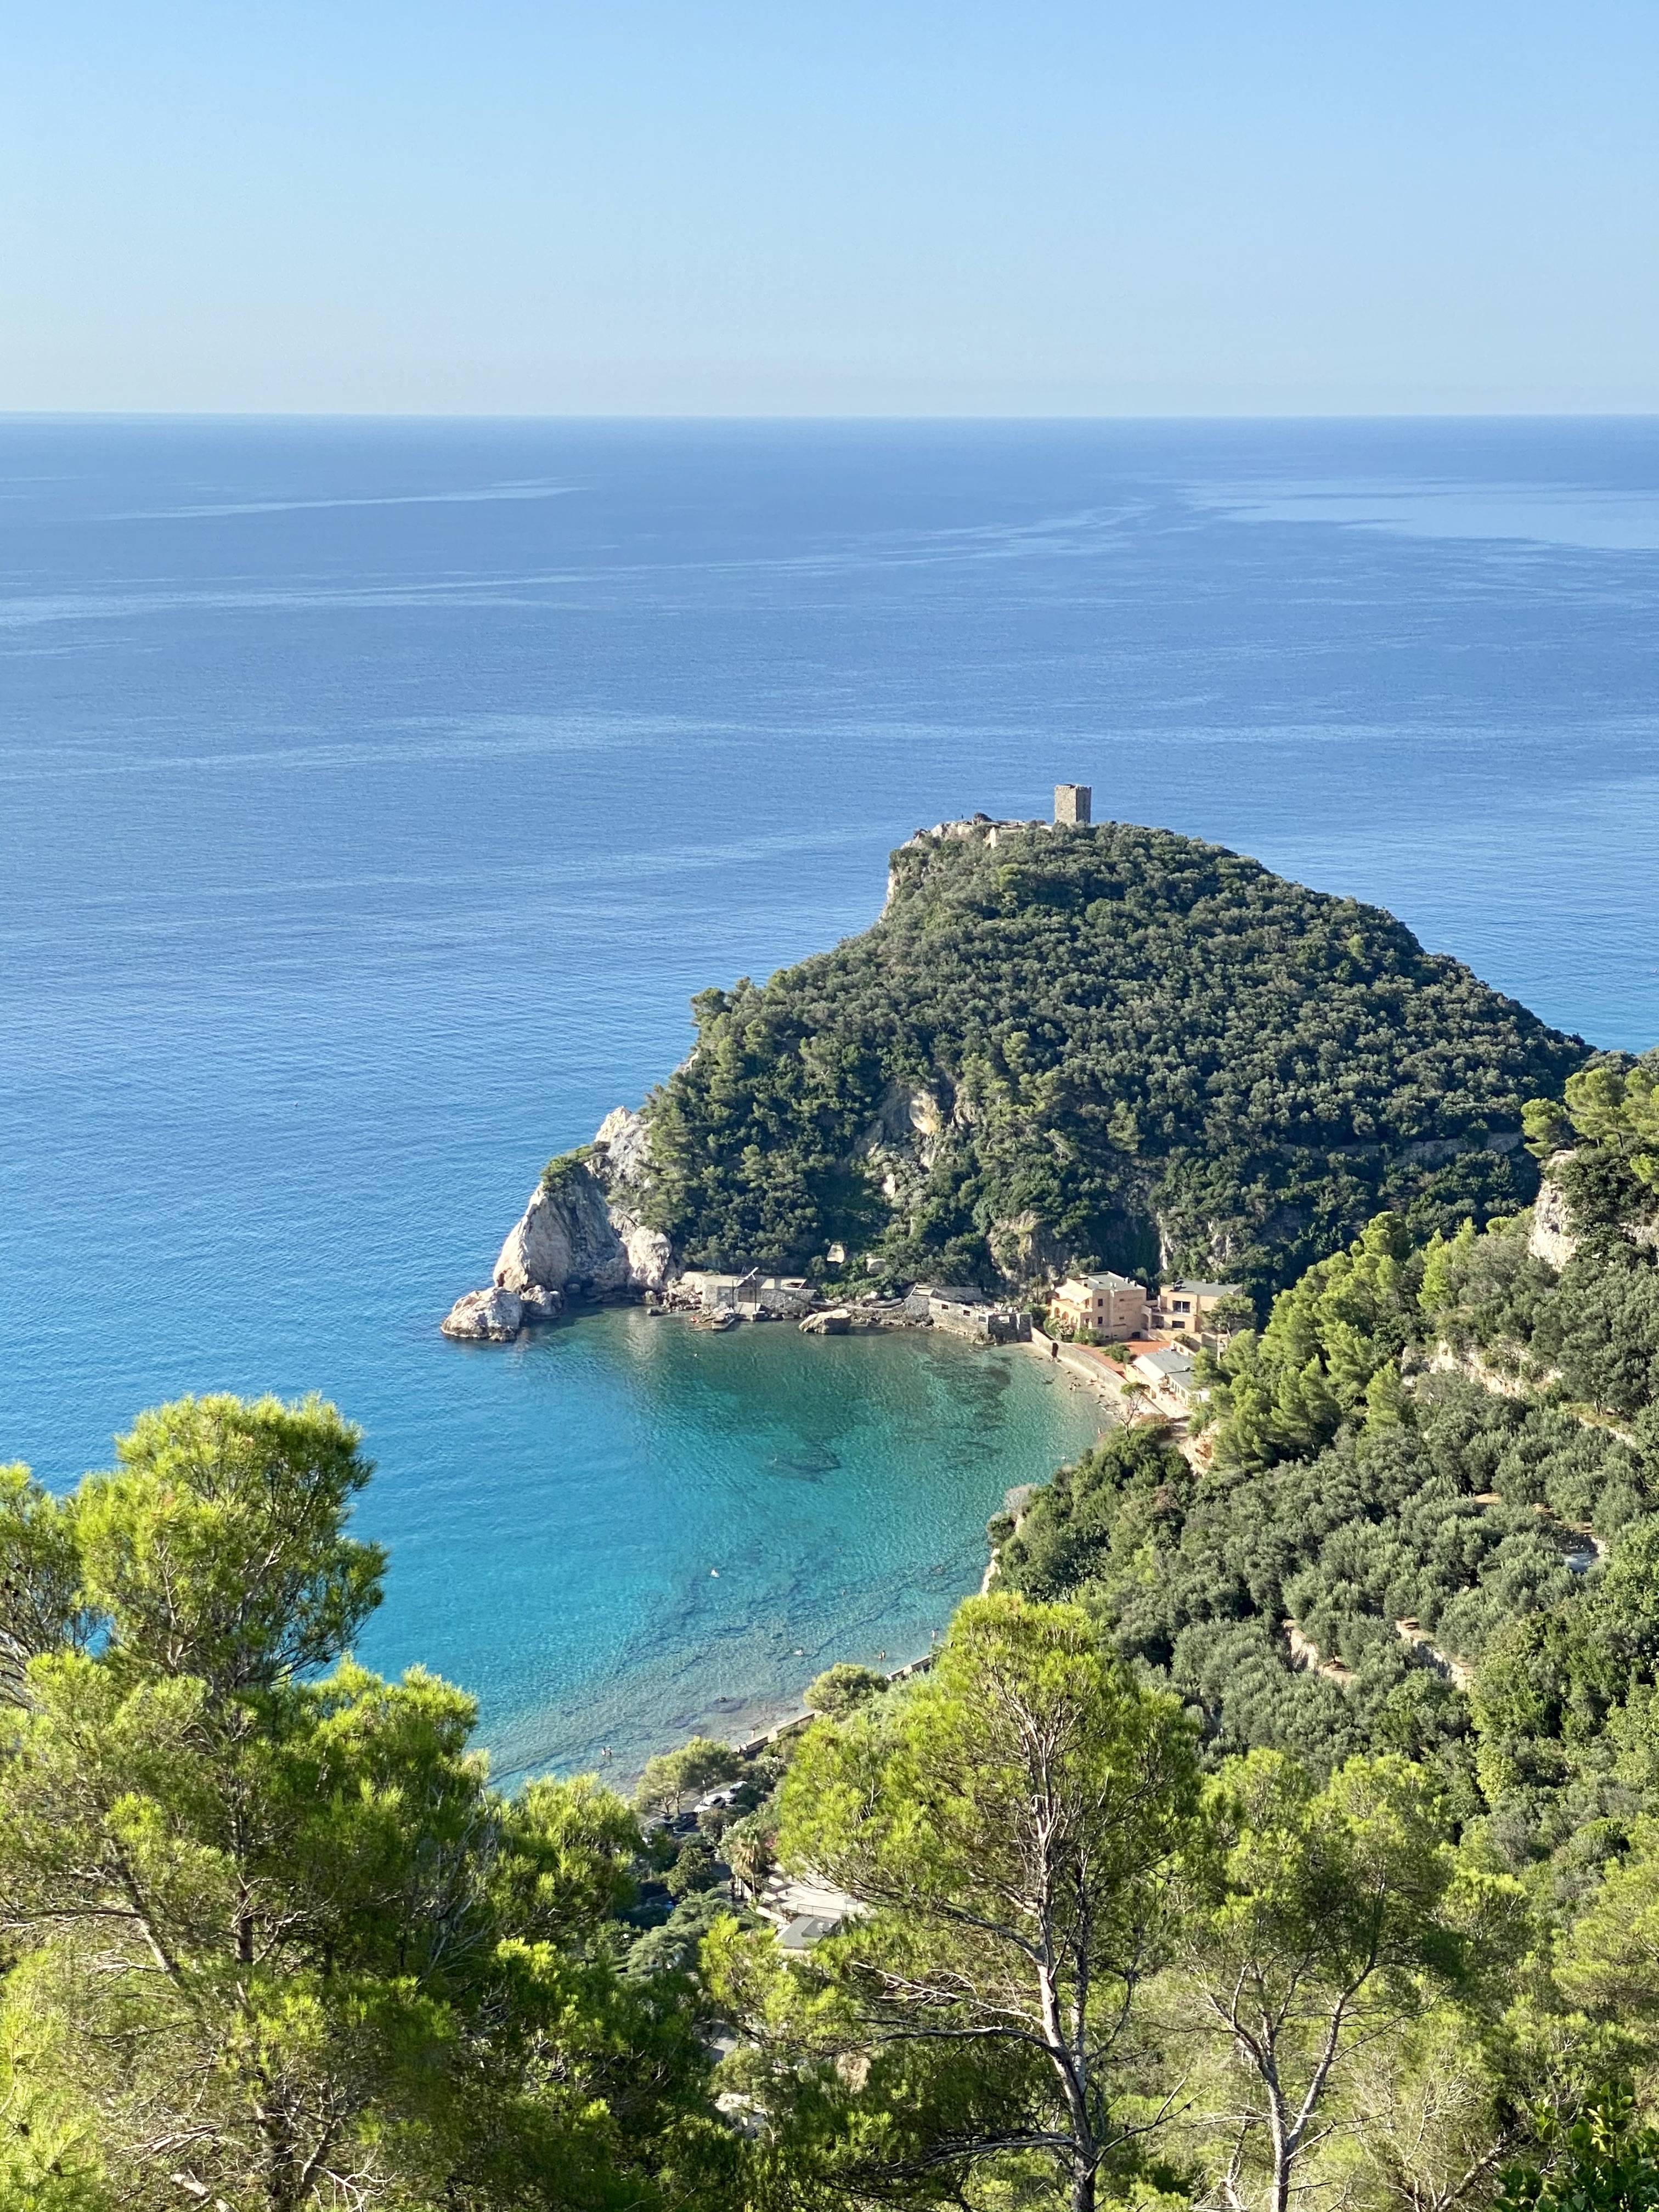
(372, 797)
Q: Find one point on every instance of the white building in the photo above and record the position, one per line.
(1168, 1373)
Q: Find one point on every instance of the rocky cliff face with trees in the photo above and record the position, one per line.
(1110, 1045)
(1056, 1049)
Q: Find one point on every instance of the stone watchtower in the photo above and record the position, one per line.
(1073, 804)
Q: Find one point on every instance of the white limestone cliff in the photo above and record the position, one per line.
(621, 1165)
(580, 1235)
(1027, 1250)
(564, 1241)
(1552, 1238)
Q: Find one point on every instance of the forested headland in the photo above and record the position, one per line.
(1110, 1046)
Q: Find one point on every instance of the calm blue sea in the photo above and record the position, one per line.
(372, 797)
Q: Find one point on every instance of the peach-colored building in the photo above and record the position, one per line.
(1107, 1306)
(1182, 1309)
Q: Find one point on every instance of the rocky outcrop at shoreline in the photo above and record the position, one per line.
(495, 1315)
(580, 1236)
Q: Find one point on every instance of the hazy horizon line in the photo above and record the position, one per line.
(25, 415)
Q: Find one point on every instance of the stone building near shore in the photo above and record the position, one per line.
(753, 1296)
(1117, 1309)
(968, 1312)
(1108, 1305)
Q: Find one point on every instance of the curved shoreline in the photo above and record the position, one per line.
(640, 1456)
(784, 1718)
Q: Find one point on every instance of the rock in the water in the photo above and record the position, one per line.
(581, 1234)
(494, 1315)
(834, 1321)
(1553, 1237)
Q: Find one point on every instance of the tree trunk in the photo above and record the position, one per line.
(1279, 2188)
(1068, 2067)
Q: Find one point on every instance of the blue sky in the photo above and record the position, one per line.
(1183, 207)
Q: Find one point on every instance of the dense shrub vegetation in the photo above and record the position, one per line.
(1089, 1045)
(1423, 1516)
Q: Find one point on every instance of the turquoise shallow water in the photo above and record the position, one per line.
(374, 797)
(769, 1503)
